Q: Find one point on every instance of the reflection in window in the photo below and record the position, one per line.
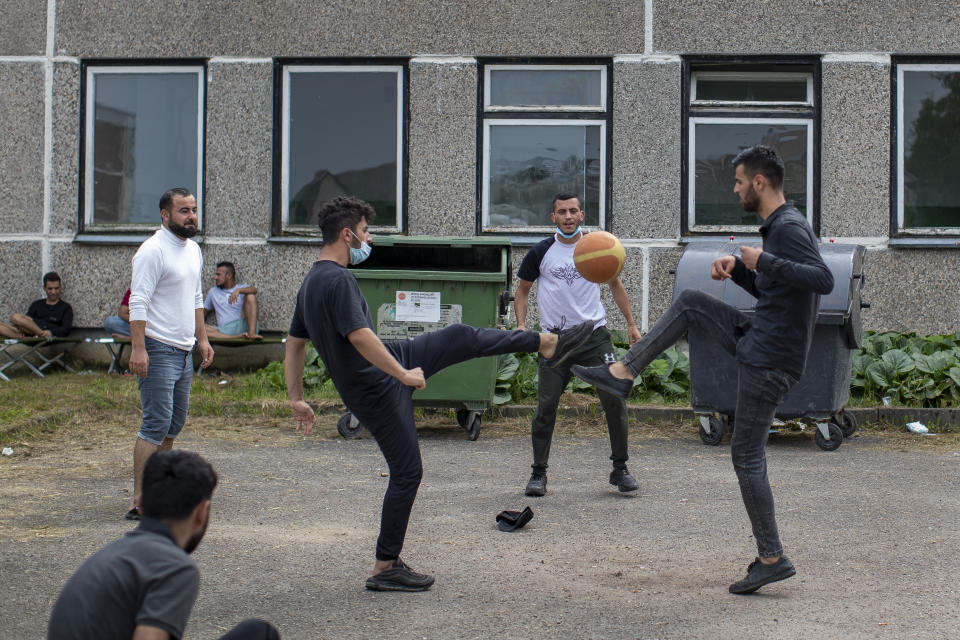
(529, 164)
(341, 137)
(714, 146)
(528, 158)
(734, 106)
(143, 137)
(930, 151)
(525, 87)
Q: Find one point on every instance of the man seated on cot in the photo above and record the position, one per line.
(235, 305)
(119, 325)
(45, 318)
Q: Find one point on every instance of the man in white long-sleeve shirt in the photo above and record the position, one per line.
(166, 317)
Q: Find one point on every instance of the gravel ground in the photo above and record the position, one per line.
(873, 529)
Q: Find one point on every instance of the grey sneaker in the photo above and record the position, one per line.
(537, 486)
(600, 377)
(759, 574)
(623, 481)
(569, 341)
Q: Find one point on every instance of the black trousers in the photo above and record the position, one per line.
(552, 381)
(390, 417)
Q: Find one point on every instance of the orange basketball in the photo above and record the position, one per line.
(599, 257)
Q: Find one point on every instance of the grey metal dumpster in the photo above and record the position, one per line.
(822, 393)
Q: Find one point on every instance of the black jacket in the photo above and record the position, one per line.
(787, 283)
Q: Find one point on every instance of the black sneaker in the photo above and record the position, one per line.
(759, 574)
(133, 514)
(569, 341)
(622, 479)
(399, 577)
(537, 486)
(600, 377)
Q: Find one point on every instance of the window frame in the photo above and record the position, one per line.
(543, 116)
(601, 108)
(281, 138)
(746, 112)
(90, 69)
(897, 230)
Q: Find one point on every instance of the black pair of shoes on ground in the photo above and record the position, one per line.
(759, 574)
(569, 341)
(133, 514)
(600, 377)
(620, 478)
(399, 577)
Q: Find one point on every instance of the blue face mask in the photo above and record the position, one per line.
(359, 255)
(572, 235)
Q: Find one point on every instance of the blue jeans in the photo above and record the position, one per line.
(759, 392)
(165, 392)
(116, 324)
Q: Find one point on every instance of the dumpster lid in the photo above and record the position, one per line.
(439, 241)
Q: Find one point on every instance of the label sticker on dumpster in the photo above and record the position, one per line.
(418, 306)
(390, 328)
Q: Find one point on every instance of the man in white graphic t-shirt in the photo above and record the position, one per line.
(565, 299)
(235, 305)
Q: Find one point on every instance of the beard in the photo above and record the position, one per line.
(181, 231)
(750, 201)
(194, 540)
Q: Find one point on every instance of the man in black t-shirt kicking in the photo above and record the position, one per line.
(376, 380)
(50, 317)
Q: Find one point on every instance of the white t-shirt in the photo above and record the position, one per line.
(219, 300)
(564, 297)
(165, 288)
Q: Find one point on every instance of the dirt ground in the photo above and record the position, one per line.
(873, 529)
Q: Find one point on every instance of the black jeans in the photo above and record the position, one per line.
(551, 383)
(390, 416)
(252, 629)
(759, 392)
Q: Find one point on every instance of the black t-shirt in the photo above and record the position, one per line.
(144, 578)
(329, 307)
(57, 318)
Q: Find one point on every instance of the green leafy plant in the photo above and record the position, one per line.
(912, 370)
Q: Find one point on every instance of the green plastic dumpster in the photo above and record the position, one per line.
(417, 284)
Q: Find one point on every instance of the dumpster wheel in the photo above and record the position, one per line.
(470, 421)
(836, 437)
(715, 434)
(348, 426)
(847, 423)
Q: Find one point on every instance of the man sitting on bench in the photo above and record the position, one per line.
(45, 318)
(119, 325)
(235, 305)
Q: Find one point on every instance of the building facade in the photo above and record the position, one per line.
(463, 118)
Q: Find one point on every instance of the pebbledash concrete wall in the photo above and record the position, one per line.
(42, 45)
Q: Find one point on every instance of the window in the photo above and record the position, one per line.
(143, 134)
(342, 134)
(544, 131)
(731, 107)
(927, 149)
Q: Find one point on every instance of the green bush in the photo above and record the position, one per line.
(911, 370)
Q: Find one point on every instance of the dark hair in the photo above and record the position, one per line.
(51, 276)
(564, 196)
(229, 267)
(174, 483)
(342, 212)
(763, 160)
(166, 200)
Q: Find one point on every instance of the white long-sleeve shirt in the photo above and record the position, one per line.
(165, 288)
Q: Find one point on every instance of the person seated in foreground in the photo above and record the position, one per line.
(235, 306)
(45, 318)
(144, 584)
